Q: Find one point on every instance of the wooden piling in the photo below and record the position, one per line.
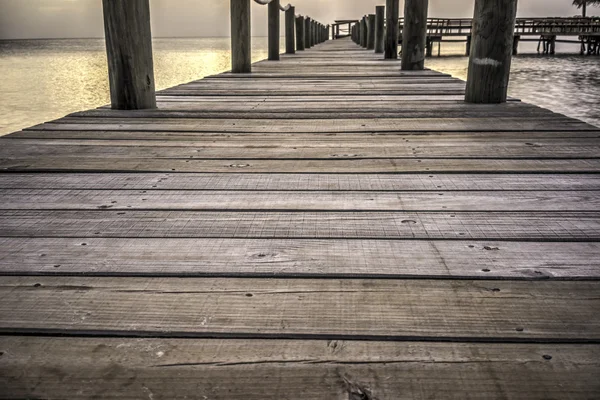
(371, 32)
(392, 31)
(290, 30)
(515, 47)
(491, 52)
(379, 28)
(363, 32)
(129, 52)
(240, 36)
(274, 30)
(300, 33)
(414, 34)
(468, 49)
(307, 33)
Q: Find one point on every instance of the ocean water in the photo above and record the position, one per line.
(47, 79)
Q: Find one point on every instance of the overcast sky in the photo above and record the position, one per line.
(83, 18)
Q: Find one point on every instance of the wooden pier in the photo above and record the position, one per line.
(328, 226)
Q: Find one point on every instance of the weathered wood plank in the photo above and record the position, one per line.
(304, 308)
(334, 165)
(389, 147)
(300, 258)
(301, 182)
(530, 226)
(57, 199)
(318, 125)
(337, 370)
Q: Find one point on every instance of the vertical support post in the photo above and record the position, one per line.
(307, 32)
(363, 32)
(300, 33)
(240, 36)
(274, 30)
(290, 30)
(515, 48)
(414, 34)
(379, 28)
(326, 32)
(333, 32)
(391, 37)
(371, 34)
(129, 52)
(491, 52)
(468, 51)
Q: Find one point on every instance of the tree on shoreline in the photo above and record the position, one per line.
(584, 3)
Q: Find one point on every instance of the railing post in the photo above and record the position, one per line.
(414, 34)
(129, 52)
(290, 28)
(491, 51)
(371, 34)
(300, 33)
(391, 37)
(379, 28)
(240, 36)
(307, 33)
(274, 30)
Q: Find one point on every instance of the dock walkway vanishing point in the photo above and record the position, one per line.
(327, 227)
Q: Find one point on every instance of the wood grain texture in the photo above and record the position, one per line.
(129, 51)
(57, 199)
(337, 258)
(240, 36)
(414, 34)
(491, 51)
(330, 309)
(252, 370)
(302, 182)
(392, 12)
(531, 226)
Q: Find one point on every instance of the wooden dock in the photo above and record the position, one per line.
(327, 227)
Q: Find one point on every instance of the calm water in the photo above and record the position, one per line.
(46, 79)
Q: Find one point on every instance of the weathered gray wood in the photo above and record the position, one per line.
(123, 368)
(52, 199)
(337, 258)
(414, 34)
(379, 29)
(241, 56)
(300, 35)
(544, 311)
(301, 182)
(274, 29)
(392, 30)
(491, 51)
(532, 226)
(371, 32)
(290, 30)
(129, 51)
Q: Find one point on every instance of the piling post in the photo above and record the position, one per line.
(300, 33)
(379, 28)
(333, 32)
(129, 52)
(468, 50)
(290, 30)
(240, 36)
(307, 33)
(414, 34)
(515, 47)
(274, 30)
(391, 37)
(491, 52)
(371, 32)
(363, 32)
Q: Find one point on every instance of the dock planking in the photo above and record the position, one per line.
(327, 226)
